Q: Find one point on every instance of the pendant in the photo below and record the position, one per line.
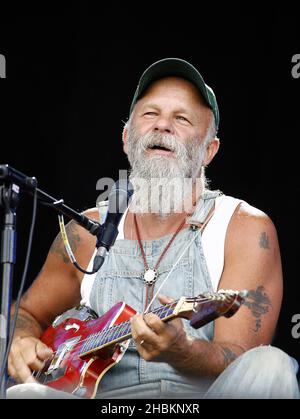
(150, 276)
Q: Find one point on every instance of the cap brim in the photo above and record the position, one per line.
(171, 67)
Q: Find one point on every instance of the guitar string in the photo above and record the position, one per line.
(161, 310)
(113, 328)
(167, 307)
(106, 331)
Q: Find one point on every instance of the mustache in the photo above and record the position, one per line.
(165, 141)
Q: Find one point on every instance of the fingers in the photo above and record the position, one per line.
(154, 323)
(141, 330)
(43, 352)
(152, 336)
(21, 372)
(27, 354)
(163, 299)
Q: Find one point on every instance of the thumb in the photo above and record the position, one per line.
(163, 299)
(43, 351)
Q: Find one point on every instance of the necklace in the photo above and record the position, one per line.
(150, 274)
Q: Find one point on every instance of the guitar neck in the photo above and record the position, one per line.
(121, 332)
(200, 310)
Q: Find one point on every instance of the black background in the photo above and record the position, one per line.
(70, 81)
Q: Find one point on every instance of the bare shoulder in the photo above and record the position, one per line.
(249, 225)
(79, 238)
(92, 213)
(57, 287)
(246, 213)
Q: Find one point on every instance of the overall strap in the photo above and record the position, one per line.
(204, 208)
(102, 209)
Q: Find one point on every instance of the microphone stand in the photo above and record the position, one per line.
(9, 200)
(13, 181)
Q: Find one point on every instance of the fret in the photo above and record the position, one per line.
(107, 337)
(170, 311)
(104, 336)
(163, 311)
(124, 329)
(87, 345)
(158, 312)
(101, 336)
(82, 349)
(116, 332)
(119, 331)
(93, 340)
(97, 340)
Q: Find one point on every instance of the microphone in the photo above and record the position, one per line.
(118, 201)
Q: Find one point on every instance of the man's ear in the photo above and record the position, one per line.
(211, 150)
(125, 138)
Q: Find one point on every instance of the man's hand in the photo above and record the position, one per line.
(55, 290)
(156, 340)
(27, 354)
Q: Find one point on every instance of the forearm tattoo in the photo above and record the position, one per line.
(228, 355)
(259, 303)
(73, 237)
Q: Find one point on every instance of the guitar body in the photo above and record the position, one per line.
(69, 372)
(85, 347)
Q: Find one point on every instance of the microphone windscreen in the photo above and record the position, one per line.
(119, 196)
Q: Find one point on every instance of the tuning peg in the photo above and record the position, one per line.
(207, 294)
(232, 292)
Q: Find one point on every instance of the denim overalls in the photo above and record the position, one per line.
(121, 279)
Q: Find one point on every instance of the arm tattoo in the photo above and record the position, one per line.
(228, 355)
(258, 302)
(24, 323)
(264, 241)
(73, 237)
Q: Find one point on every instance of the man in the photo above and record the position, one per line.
(171, 134)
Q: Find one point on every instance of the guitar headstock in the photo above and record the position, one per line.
(209, 306)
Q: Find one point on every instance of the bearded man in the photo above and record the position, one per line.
(178, 238)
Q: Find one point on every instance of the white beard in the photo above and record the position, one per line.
(164, 185)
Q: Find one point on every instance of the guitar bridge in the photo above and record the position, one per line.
(60, 354)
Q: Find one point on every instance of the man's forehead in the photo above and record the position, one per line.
(174, 85)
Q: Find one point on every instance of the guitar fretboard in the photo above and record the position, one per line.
(120, 332)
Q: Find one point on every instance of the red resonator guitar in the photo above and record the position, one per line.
(86, 346)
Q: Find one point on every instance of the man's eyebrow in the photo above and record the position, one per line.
(149, 105)
(156, 106)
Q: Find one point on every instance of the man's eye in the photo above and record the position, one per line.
(182, 118)
(150, 113)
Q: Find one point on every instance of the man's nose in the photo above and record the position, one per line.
(163, 125)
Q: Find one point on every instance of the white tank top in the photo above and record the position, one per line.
(213, 243)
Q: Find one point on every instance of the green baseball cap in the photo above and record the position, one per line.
(179, 68)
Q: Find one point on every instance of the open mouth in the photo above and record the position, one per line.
(160, 148)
